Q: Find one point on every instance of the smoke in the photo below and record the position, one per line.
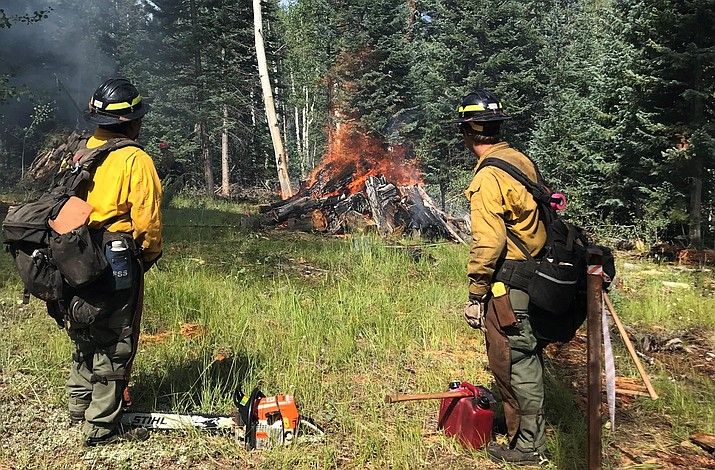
(56, 60)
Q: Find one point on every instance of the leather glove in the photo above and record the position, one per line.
(474, 314)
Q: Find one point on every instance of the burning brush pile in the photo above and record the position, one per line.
(363, 183)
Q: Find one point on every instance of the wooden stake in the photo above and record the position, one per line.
(594, 344)
(631, 349)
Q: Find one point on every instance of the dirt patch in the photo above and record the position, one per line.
(681, 352)
(187, 330)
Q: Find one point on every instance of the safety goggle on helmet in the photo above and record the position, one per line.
(481, 106)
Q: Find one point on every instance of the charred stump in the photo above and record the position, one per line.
(389, 208)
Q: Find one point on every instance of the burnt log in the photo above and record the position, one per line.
(390, 209)
(293, 208)
(439, 218)
(383, 199)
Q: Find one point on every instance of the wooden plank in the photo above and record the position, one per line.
(630, 348)
(704, 440)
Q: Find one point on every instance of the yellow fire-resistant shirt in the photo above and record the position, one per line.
(498, 201)
(125, 185)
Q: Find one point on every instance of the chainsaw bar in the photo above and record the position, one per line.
(177, 422)
(260, 421)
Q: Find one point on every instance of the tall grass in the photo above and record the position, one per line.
(339, 323)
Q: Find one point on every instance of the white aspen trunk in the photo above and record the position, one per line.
(299, 143)
(305, 124)
(296, 119)
(225, 183)
(279, 150)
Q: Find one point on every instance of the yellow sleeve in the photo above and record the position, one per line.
(488, 230)
(145, 200)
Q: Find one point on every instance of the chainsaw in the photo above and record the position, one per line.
(260, 422)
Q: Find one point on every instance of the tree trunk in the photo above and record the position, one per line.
(225, 167)
(280, 154)
(206, 157)
(298, 143)
(201, 125)
(696, 201)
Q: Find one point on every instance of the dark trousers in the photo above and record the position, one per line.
(103, 350)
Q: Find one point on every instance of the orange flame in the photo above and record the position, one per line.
(353, 156)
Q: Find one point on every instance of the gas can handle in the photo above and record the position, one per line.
(475, 390)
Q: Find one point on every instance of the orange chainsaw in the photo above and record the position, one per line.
(261, 422)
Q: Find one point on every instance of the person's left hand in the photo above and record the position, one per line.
(474, 314)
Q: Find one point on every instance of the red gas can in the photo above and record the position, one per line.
(469, 418)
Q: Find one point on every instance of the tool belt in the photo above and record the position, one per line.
(516, 274)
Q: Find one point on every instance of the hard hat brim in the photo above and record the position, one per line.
(106, 119)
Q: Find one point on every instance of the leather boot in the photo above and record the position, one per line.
(502, 453)
(120, 434)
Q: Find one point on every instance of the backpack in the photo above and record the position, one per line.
(556, 278)
(49, 263)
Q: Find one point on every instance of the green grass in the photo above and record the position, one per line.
(644, 299)
(339, 323)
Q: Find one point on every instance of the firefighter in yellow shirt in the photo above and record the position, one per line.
(103, 318)
(505, 224)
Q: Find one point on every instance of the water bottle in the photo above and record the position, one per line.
(120, 263)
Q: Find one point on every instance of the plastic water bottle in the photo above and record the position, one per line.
(117, 254)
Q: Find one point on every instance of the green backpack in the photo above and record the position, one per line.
(48, 263)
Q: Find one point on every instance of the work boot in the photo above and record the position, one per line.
(501, 453)
(76, 419)
(119, 435)
(77, 407)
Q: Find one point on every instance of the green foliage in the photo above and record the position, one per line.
(614, 99)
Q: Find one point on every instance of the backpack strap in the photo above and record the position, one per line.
(86, 160)
(519, 244)
(91, 158)
(538, 190)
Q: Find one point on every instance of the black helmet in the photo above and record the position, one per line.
(481, 106)
(115, 101)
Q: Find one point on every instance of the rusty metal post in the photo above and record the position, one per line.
(594, 292)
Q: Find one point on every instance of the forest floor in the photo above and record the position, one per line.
(340, 322)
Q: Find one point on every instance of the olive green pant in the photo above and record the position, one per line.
(102, 351)
(515, 360)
